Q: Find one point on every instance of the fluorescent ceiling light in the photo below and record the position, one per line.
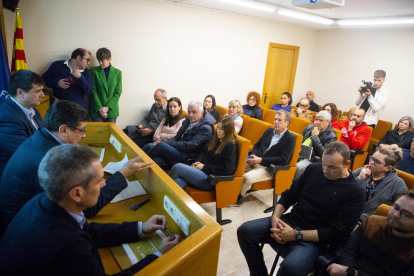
(308, 17)
(366, 22)
(250, 4)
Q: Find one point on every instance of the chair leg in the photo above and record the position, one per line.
(270, 209)
(276, 260)
(220, 218)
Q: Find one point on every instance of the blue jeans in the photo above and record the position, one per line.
(166, 156)
(299, 256)
(108, 120)
(147, 147)
(185, 175)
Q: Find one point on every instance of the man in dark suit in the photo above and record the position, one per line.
(50, 235)
(64, 123)
(18, 117)
(274, 147)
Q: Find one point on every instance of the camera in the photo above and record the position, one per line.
(368, 85)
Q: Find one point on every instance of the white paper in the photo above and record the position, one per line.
(102, 155)
(134, 189)
(113, 167)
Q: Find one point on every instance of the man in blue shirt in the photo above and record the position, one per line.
(18, 117)
(70, 79)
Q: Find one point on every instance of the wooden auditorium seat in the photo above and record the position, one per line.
(253, 129)
(185, 114)
(298, 125)
(269, 115)
(383, 210)
(407, 177)
(227, 187)
(338, 134)
(221, 110)
(339, 113)
(283, 175)
(378, 133)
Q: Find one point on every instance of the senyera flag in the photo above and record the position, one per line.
(19, 58)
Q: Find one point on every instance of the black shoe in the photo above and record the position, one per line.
(239, 200)
(250, 191)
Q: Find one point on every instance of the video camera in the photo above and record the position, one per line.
(368, 85)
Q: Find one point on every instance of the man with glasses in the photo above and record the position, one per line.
(379, 178)
(381, 245)
(64, 123)
(19, 118)
(312, 105)
(70, 79)
(303, 110)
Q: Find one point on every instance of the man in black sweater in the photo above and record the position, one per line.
(328, 202)
(312, 105)
(274, 147)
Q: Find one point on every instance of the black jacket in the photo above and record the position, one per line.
(192, 141)
(403, 141)
(280, 153)
(319, 142)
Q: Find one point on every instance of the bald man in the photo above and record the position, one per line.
(313, 106)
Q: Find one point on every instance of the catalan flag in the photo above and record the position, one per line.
(19, 58)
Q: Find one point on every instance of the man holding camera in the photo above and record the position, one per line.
(372, 98)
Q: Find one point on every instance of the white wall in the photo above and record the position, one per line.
(343, 58)
(188, 51)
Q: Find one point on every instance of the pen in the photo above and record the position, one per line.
(139, 205)
(92, 145)
(168, 231)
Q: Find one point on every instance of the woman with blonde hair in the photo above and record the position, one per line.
(235, 112)
(252, 108)
(218, 157)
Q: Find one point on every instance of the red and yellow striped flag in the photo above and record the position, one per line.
(19, 58)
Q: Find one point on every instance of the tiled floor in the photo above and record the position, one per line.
(231, 259)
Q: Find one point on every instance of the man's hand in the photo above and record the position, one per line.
(155, 143)
(394, 147)
(286, 234)
(337, 270)
(276, 224)
(104, 109)
(132, 166)
(365, 172)
(63, 84)
(104, 115)
(155, 223)
(254, 160)
(139, 128)
(198, 165)
(299, 110)
(146, 131)
(351, 126)
(368, 93)
(76, 72)
(315, 131)
(169, 243)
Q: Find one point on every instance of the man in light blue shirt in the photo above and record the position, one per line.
(18, 117)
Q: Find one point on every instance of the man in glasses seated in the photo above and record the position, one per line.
(303, 110)
(70, 79)
(64, 123)
(381, 245)
(380, 180)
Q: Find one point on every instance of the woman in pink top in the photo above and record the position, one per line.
(170, 125)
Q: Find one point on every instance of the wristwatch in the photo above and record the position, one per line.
(350, 271)
(298, 235)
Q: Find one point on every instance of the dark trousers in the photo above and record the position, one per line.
(165, 156)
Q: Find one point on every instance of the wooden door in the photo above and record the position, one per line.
(280, 72)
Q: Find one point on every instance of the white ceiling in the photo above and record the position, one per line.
(353, 9)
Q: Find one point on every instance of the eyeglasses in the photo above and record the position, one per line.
(404, 214)
(232, 106)
(87, 59)
(376, 161)
(304, 105)
(252, 100)
(81, 130)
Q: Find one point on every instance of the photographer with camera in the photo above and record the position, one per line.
(372, 98)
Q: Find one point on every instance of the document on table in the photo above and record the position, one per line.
(134, 189)
(113, 167)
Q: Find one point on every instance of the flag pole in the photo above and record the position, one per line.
(3, 28)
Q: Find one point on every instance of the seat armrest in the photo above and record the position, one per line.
(316, 159)
(275, 168)
(215, 179)
(356, 152)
